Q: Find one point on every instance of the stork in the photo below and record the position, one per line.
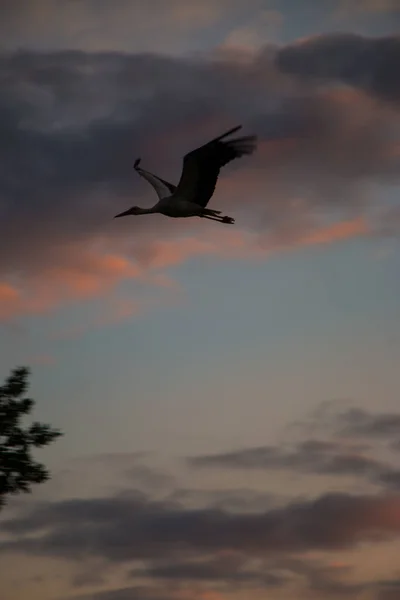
(199, 176)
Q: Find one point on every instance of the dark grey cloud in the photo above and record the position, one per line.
(131, 593)
(314, 581)
(310, 456)
(372, 64)
(88, 576)
(361, 423)
(322, 579)
(388, 590)
(230, 500)
(150, 479)
(72, 123)
(313, 578)
(332, 456)
(396, 445)
(125, 528)
(231, 569)
(370, 426)
(389, 478)
(123, 25)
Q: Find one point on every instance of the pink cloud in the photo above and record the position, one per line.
(336, 232)
(100, 274)
(88, 276)
(315, 152)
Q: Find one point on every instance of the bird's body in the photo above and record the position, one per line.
(176, 209)
(179, 208)
(198, 180)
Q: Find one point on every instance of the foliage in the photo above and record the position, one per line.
(18, 470)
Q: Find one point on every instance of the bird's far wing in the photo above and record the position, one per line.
(163, 188)
(201, 167)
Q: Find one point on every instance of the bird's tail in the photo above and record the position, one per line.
(136, 163)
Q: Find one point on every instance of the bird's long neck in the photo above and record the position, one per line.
(147, 211)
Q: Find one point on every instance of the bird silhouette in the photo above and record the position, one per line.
(199, 176)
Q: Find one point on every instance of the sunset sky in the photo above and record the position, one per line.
(229, 396)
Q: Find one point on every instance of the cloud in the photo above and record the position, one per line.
(339, 454)
(390, 590)
(142, 592)
(73, 121)
(172, 551)
(265, 24)
(353, 423)
(87, 275)
(126, 528)
(88, 25)
(310, 456)
(348, 8)
(98, 275)
(158, 540)
(368, 63)
(292, 574)
(357, 422)
(134, 593)
(150, 479)
(234, 500)
(229, 568)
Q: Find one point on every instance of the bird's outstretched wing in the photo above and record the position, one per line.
(201, 167)
(163, 188)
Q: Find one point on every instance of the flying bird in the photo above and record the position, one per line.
(199, 176)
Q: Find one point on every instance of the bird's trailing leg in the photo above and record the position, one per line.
(224, 219)
(212, 213)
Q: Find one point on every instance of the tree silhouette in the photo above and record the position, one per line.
(18, 469)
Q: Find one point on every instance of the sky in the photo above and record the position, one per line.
(229, 396)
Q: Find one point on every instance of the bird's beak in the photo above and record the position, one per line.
(123, 214)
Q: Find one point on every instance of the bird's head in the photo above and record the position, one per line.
(135, 210)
